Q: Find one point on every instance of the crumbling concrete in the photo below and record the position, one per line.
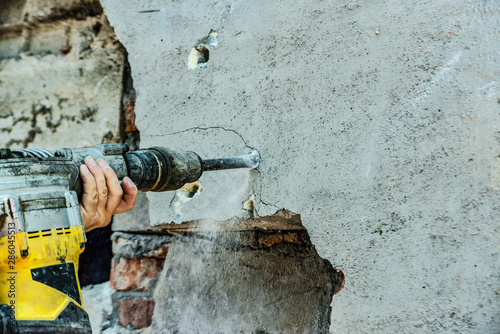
(261, 274)
(376, 121)
(137, 262)
(260, 280)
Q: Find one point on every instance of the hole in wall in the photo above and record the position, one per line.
(200, 54)
(203, 54)
(260, 275)
(182, 196)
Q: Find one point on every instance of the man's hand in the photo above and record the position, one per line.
(102, 194)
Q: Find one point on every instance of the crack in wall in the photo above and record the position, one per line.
(245, 142)
(260, 200)
(206, 129)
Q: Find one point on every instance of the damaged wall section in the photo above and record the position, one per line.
(65, 81)
(260, 275)
(376, 121)
(64, 76)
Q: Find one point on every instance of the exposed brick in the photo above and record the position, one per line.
(128, 273)
(37, 11)
(136, 246)
(274, 239)
(119, 245)
(12, 12)
(47, 38)
(292, 238)
(11, 45)
(130, 116)
(137, 313)
(270, 240)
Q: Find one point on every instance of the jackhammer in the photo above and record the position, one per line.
(41, 230)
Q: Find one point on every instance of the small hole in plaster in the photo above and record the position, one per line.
(182, 196)
(200, 54)
(193, 189)
(203, 54)
(198, 57)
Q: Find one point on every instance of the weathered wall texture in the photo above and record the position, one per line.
(258, 275)
(65, 82)
(376, 121)
(61, 75)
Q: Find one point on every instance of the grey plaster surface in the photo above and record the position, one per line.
(52, 101)
(61, 82)
(378, 122)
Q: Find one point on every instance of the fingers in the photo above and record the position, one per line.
(103, 195)
(90, 196)
(101, 184)
(129, 196)
(114, 190)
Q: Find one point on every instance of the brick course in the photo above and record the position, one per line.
(127, 274)
(134, 312)
(137, 263)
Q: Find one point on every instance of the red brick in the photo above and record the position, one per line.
(137, 313)
(270, 240)
(293, 238)
(127, 273)
(130, 116)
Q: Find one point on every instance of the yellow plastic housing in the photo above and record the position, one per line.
(30, 299)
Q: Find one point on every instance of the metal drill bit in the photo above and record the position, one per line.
(245, 161)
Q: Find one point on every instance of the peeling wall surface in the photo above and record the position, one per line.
(61, 75)
(378, 122)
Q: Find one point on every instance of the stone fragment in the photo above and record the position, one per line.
(136, 246)
(159, 253)
(77, 101)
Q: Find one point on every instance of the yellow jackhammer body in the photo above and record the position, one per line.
(41, 230)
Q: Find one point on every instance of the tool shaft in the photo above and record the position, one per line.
(245, 161)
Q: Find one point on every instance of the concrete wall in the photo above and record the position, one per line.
(376, 121)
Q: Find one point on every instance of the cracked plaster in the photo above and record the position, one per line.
(376, 121)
